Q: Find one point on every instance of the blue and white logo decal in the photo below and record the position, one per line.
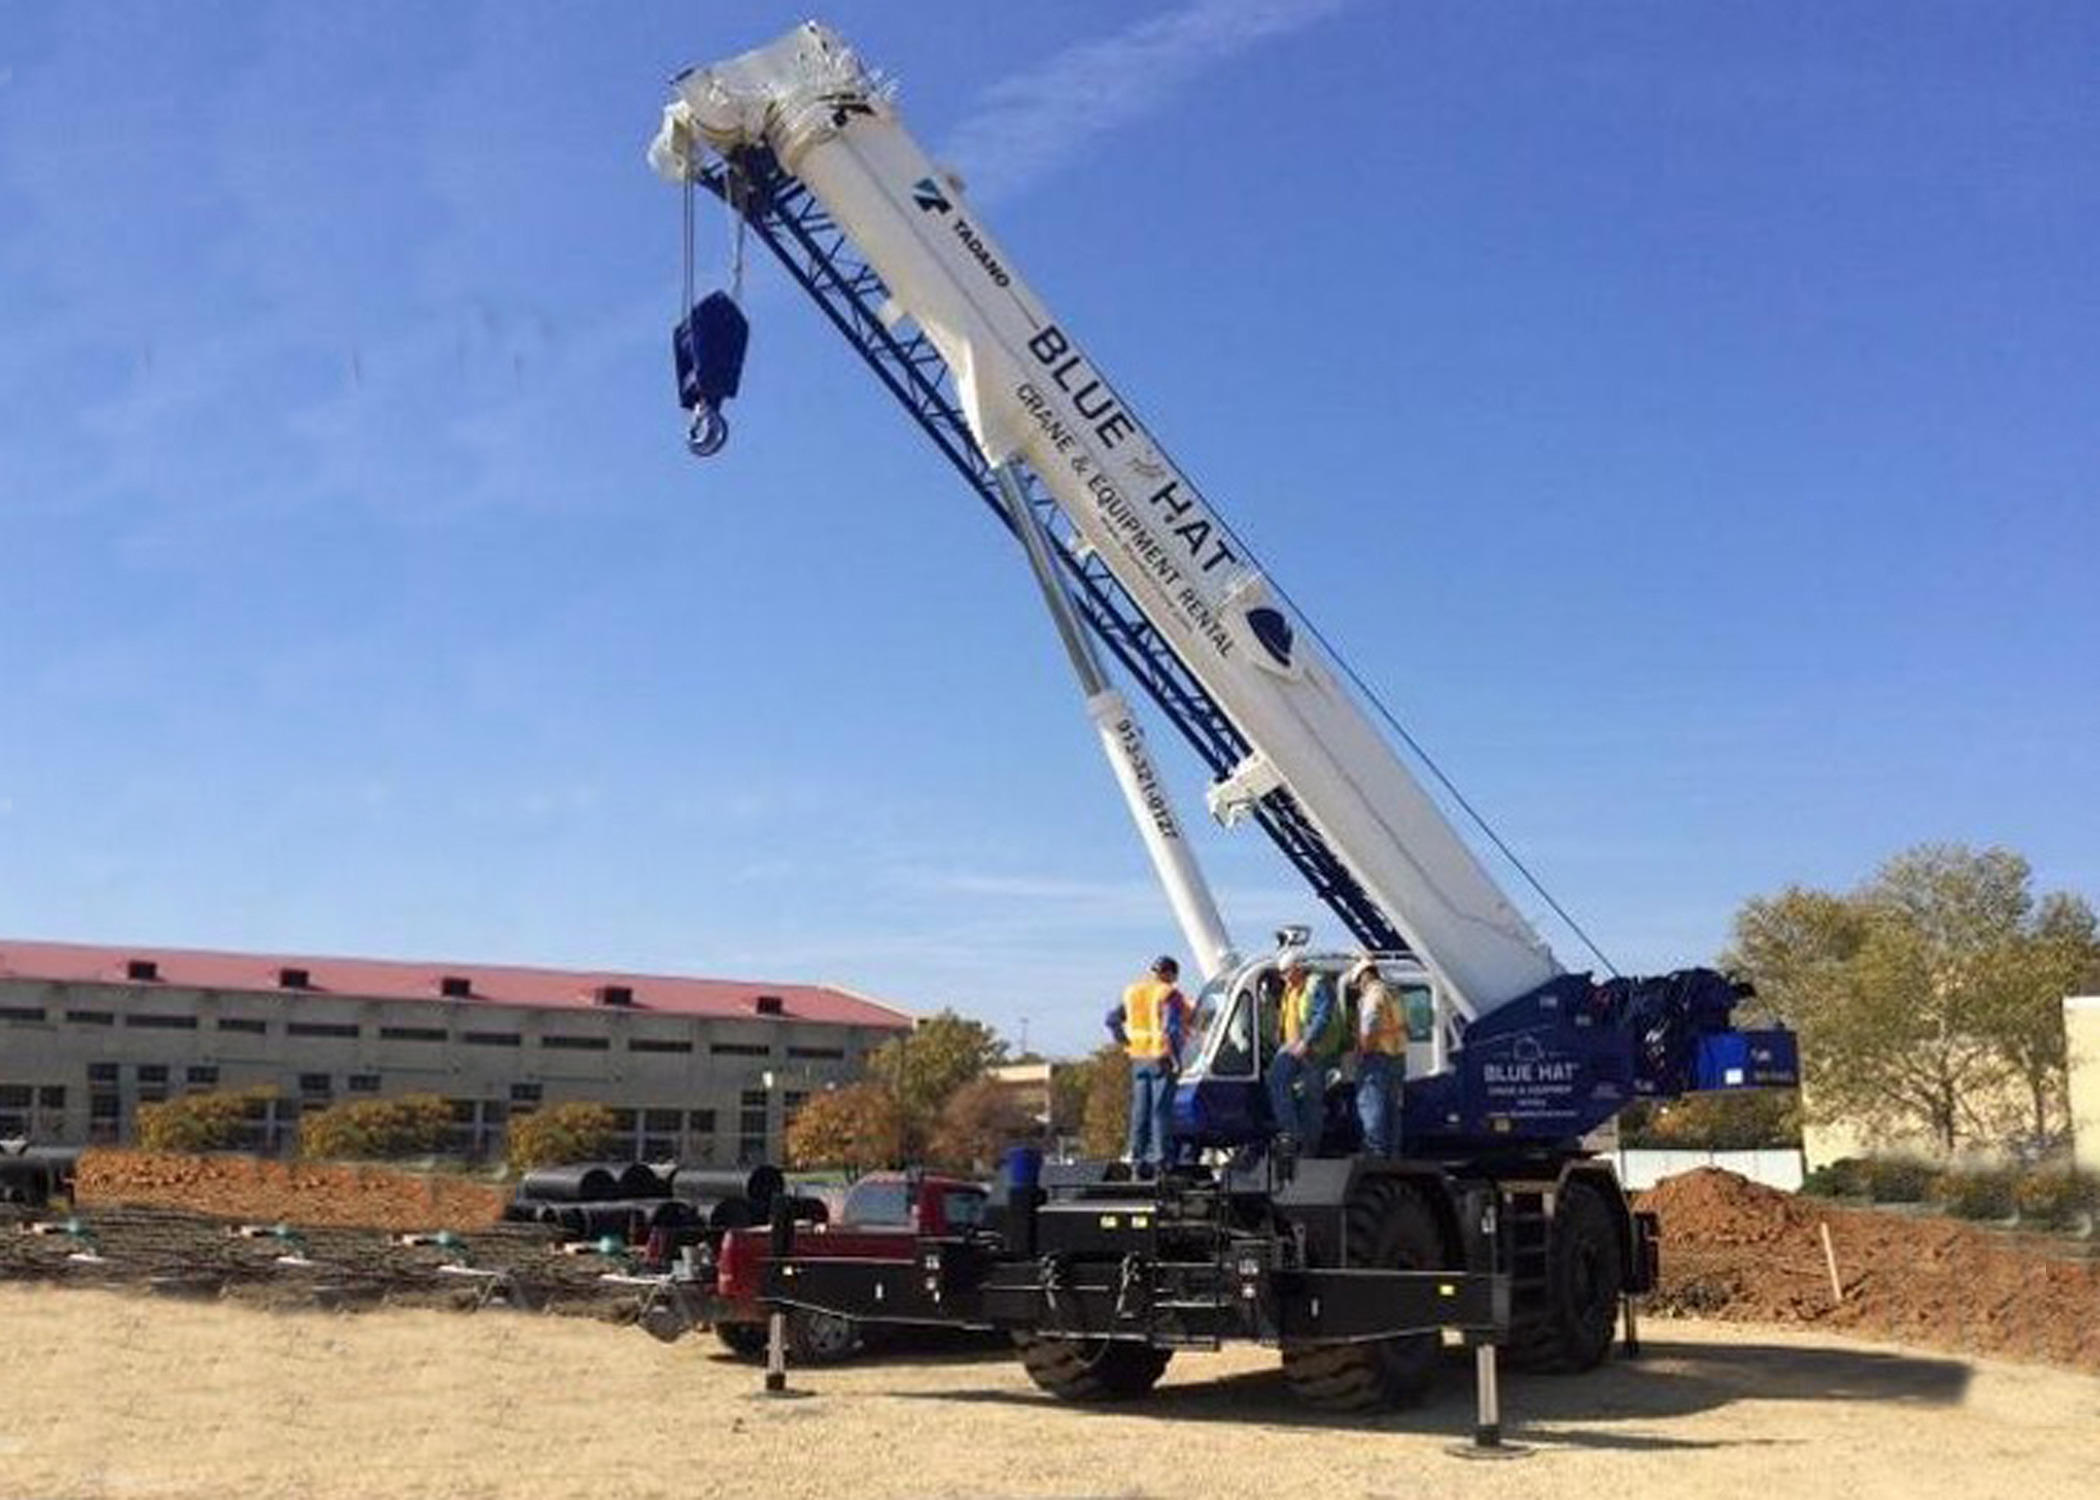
(1273, 631)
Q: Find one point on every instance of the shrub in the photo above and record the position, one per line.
(2055, 1196)
(1899, 1179)
(377, 1129)
(1977, 1193)
(218, 1121)
(559, 1134)
(1844, 1178)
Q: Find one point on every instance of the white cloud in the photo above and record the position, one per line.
(1025, 124)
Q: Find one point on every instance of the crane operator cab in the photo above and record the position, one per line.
(1223, 1097)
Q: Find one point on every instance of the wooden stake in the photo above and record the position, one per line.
(1837, 1288)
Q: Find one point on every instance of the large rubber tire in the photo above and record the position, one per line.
(1391, 1226)
(816, 1338)
(1570, 1327)
(1092, 1369)
(744, 1340)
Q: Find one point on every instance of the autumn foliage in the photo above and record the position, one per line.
(559, 1134)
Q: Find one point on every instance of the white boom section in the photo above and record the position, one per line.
(1029, 392)
(1123, 741)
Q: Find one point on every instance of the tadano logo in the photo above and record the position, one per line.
(928, 195)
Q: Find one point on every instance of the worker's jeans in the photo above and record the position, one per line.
(1299, 1113)
(1151, 1111)
(1375, 1104)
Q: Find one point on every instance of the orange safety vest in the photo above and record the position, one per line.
(1384, 1029)
(1145, 1019)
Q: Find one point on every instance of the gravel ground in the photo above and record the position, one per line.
(124, 1394)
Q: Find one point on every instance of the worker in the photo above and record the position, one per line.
(1381, 1058)
(1312, 1043)
(1150, 1022)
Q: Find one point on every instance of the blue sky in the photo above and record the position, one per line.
(1688, 416)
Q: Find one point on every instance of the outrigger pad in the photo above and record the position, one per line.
(708, 349)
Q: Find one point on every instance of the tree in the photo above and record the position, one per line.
(859, 1127)
(219, 1121)
(1921, 996)
(1105, 1125)
(2058, 955)
(377, 1129)
(1735, 1120)
(558, 1134)
(924, 1067)
(979, 1121)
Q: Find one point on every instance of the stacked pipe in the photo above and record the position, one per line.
(32, 1176)
(634, 1200)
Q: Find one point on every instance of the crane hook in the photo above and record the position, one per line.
(707, 349)
(707, 432)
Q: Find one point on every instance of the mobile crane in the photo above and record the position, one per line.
(1494, 1220)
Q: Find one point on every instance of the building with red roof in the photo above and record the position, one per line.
(699, 1069)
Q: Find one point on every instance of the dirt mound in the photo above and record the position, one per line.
(1734, 1249)
(290, 1192)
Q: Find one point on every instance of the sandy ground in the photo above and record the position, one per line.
(111, 1394)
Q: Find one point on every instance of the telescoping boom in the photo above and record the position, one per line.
(1031, 394)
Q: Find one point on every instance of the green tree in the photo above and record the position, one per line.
(2058, 955)
(1921, 996)
(923, 1068)
(557, 1134)
(859, 1128)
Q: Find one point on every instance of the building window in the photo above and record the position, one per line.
(21, 1012)
(206, 1076)
(623, 1120)
(51, 1096)
(248, 1024)
(153, 1073)
(362, 1083)
(14, 1095)
(751, 1126)
(740, 1049)
(657, 1044)
(102, 1072)
(346, 1030)
(818, 1054)
(103, 1107)
(315, 1083)
(577, 1043)
(92, 1017)
(661, 1121)
(161, 1023)
(524, 1093)
(790, 1106)
(412, 1033)
(701, 1122)
(463, 1110)
(489, 1038)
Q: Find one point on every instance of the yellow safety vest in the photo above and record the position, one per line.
(1297, 1010)
(1145, 1019)
(1384, 1028)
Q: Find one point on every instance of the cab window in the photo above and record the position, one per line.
(1420, 1009)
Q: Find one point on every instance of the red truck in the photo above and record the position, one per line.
(882, 1218)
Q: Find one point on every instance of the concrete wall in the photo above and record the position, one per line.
(1646, 1166)
(2082, 1033)
(76, 1061)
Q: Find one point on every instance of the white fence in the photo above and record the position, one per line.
(1644, 1168)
